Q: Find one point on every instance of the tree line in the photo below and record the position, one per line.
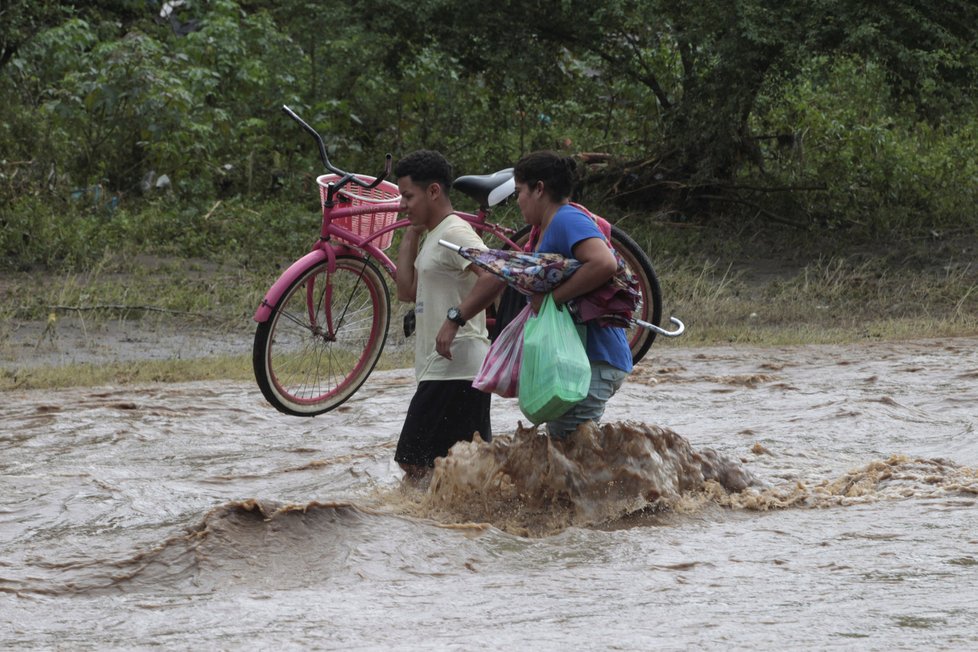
(835, 113)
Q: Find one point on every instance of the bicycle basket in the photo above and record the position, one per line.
(368, 223)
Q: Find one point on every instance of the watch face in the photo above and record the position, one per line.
(456, 316)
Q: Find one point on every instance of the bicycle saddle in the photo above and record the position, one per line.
(487, 189)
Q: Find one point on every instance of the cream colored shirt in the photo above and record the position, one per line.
(443, 281)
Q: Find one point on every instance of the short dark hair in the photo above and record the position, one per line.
(425, 166)
(555, 171)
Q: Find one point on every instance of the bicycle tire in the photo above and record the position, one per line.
(302, 370)
(650, 309)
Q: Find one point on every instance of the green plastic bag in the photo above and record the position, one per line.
(555, 372)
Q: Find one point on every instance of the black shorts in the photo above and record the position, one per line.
(442, 413)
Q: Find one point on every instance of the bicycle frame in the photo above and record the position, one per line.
(326, 249)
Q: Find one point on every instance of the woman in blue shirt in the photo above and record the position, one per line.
(544, 182)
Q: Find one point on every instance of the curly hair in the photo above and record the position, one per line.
(425, 166)
(555, 171)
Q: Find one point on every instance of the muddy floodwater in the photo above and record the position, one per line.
(821, 497)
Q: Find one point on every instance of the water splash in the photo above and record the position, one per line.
(898, 477)
(532, 485)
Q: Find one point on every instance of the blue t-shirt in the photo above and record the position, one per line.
(569, 227)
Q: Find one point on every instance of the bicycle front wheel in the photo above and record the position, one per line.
(323, 337)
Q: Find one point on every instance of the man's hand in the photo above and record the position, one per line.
(405, 278)
(446, 335)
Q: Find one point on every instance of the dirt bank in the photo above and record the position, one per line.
(65, 340)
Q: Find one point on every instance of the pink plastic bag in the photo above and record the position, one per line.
(500, 371)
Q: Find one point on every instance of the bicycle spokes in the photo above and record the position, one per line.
(313, 305)
(321, 302)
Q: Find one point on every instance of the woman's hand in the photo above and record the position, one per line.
(598, 265)
(536, 301)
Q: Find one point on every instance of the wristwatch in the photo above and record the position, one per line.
(455, 315)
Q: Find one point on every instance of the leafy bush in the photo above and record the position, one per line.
(120, 106)
(882, 168)
(104, 102)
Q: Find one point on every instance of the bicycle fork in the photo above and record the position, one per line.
(295, 271)
(298, 268)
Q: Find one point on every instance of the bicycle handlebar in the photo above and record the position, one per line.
(345, 177)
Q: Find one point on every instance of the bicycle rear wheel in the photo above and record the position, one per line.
(650, 307)
(323, 338)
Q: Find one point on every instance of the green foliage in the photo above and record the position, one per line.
(883, 168)
(116, 103)
(688, 101)
(79, 234)
(22, 20)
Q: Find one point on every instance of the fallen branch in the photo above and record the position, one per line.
(760, 210)
(818, 188)
(211, 211)
(125, 308)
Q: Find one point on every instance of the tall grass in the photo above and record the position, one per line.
(830, 300)
(208, 268)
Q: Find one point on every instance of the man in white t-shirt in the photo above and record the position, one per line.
(450, 296)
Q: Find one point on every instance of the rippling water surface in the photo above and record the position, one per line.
(762, 498)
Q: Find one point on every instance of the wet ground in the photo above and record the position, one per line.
(814, 497)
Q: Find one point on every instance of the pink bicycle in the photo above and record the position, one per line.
(323, 324)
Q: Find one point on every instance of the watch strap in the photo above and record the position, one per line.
(455, 315)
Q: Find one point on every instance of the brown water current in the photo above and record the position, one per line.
(531, 485)
(815, 497)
